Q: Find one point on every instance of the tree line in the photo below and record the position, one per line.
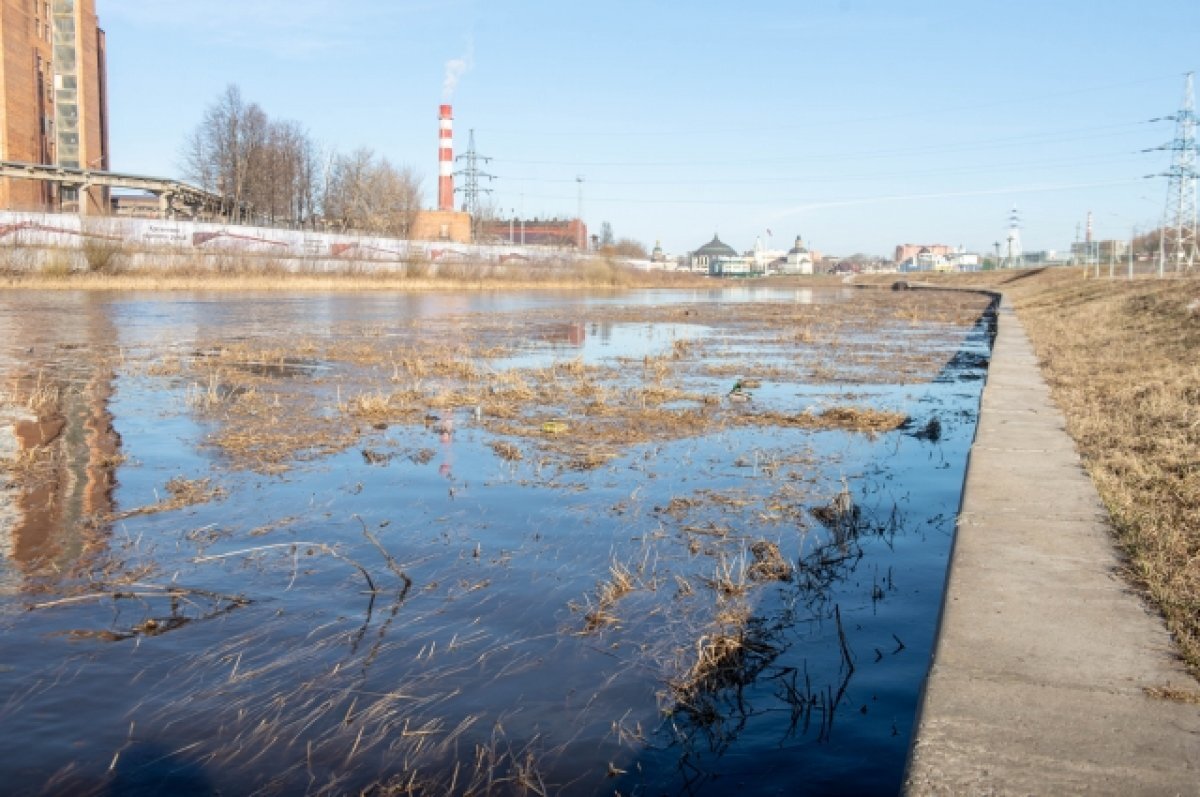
(271, 171)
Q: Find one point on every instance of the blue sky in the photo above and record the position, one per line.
(860, 124)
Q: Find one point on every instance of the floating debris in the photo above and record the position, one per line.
(841, 513)
(769, 564)
(373, 457)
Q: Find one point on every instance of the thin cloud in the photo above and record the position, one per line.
(1026, 189)
(288, 28)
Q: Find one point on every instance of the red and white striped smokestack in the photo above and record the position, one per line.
(445, 158)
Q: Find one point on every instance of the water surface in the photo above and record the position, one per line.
(401, 601)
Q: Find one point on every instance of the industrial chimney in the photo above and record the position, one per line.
(445, 158)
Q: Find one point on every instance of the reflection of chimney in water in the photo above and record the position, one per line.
(445, 158)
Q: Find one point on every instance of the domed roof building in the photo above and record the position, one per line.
(706, 257)
(715, 248)
(657, 255)
(799, 259)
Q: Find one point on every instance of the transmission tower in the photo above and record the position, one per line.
(1179, 215)
(1013, 257)
(470, 188)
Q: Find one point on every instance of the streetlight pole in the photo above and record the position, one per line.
(579, 216)
(1162, 249)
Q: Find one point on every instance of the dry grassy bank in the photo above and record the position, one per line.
(258, 273)
(1123, 361)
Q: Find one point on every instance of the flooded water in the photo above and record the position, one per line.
(637, 543)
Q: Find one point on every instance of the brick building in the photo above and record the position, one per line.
(905, 252)
(53, 100)
(441, 225)
(536, 232)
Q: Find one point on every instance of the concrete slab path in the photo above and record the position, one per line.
(1044, 655)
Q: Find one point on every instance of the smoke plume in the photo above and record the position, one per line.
(455, 69)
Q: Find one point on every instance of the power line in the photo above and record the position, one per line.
(1051, 137)
(1005, 167)
(846, 201)
(1025, 101)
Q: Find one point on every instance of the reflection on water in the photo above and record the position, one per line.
(60, 380)
(445, 593)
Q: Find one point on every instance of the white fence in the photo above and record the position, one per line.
(149, 242)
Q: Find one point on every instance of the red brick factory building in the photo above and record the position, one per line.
(53, 100)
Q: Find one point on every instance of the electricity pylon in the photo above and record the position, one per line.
(1013, 256)
(1179, 215)
(471, 190)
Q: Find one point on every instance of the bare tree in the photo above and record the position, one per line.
(368, 193)
(628, 247)
(307, 182)
(259, 165)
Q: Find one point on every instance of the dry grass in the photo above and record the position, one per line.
(455, 365)
(730, 653)
(845, 418)
(507, 451)
(1123, 361)
(181, 492)
(106, 270)
(599, 608)
(769, 564)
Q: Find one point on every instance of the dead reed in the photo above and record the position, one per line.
(181, 492)
(846, 418)
(111, 267)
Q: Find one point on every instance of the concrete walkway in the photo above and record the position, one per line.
(1044, 655)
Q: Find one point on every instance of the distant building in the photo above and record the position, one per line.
(935, 258)
(799, 260)
(137, 206)
(1046, 257)
(735, 266)
(962, 260)
(535, 232)
(53, 100)
(1099, 251)
(704, 258)
(909, 252)
(441, 225)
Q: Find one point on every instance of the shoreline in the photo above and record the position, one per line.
(1047, 670)
(606, 277)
